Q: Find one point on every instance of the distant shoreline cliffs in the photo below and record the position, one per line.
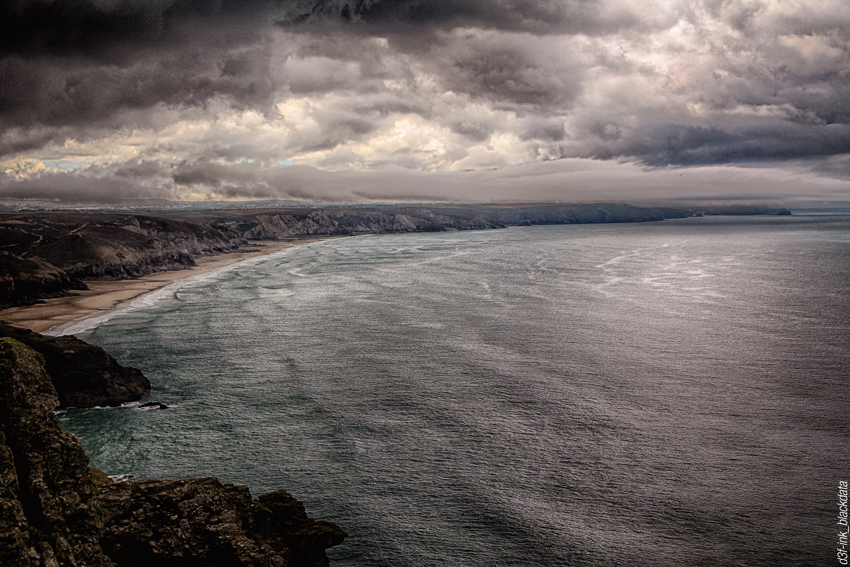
(345, 221)
(52, 254)
(56, 510)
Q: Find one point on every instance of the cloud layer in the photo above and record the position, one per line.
(110, 99)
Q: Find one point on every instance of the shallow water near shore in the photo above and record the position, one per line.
(666, 393)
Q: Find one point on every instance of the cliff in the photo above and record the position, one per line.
(84, 375)
(56, 511)
(372, 220)
(49, 254)
(340, 221)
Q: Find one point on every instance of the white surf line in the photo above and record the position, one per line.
(92, 320)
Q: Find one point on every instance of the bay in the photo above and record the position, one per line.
(666, 393)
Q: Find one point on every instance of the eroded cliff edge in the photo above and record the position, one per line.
(84, 375)
(57, 511)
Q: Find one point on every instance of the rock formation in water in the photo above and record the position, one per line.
(84, 375)
(57, 511)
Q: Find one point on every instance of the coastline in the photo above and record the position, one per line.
(57, 315)
(302, 226)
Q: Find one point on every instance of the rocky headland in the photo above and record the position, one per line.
(84, 375)
(57, 511)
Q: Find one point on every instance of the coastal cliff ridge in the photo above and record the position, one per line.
(57, 511)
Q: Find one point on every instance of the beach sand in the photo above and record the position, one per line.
(105, 295)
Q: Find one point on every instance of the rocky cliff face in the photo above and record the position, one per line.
(84, 375)
(56, 511)
(51, 514)
(47, 255)
(329, 222)
(23, 280)
(372, 220)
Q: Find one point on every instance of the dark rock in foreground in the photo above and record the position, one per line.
(55, 510)
(50, 511)
(84, 375)
(219, 523)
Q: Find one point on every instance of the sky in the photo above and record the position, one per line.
(416, 100)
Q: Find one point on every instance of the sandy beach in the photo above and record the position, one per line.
(103, 296)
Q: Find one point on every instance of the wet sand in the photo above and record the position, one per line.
(106, 295)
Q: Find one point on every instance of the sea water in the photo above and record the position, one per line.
(658, 394)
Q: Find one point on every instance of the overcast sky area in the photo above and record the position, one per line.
(455, 100)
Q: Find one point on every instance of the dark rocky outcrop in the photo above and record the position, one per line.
(51, 511)
(84, 375)
(56, 511)
(23, 281)
(219, 523)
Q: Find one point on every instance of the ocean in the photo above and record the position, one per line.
(643, 394)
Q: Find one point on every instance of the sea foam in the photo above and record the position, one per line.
(88, 322)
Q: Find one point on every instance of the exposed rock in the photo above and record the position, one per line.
(24, 281)
(346, 221)
(49, 254)
(158, 522)
(370, 220)
(56, 511)
(84, 375)
(51, 512)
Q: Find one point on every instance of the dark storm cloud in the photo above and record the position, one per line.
(138, 170)
(814, 123)
(20, 139)
(509, 71)
(103, 188)
(65, 92)
(545, 129)
(475, 131)
(417, 84)
(108, 29)
(685, 144)
(401, 16)
(85, 63)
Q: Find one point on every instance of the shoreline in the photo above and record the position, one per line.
(104, 298)
(56, 315)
